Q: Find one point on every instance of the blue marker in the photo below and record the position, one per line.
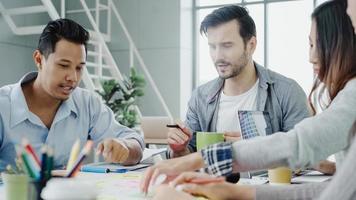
(96, 169)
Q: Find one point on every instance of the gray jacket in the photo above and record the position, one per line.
(282, 98)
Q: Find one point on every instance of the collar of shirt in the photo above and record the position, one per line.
(262, 74)
(20, 111)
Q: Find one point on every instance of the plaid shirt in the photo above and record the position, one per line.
(218, 159)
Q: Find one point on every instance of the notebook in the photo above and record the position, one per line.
(113, 167)
(252, 123)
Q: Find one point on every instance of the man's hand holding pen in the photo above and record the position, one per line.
(178, 137)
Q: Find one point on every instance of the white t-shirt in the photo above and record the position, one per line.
(228, 120)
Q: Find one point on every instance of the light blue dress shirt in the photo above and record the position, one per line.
(82, 114)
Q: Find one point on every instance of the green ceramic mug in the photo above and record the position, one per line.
(205, 139)
(16, 186)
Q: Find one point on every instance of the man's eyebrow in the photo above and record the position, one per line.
(64, 60)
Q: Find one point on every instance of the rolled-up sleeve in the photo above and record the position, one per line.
(104, 125)
(218, 159)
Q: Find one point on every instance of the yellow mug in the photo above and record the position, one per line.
(280, 176)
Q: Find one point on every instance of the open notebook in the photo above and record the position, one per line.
(112, 167)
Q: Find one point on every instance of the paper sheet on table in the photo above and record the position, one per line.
(119, 186)
(311, 177)
(148, 153)
(253, 181)
(116, 186)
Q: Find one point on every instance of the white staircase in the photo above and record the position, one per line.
(100, 63)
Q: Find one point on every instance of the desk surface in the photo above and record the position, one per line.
(2, 192)
(110, 186)
(115, 186)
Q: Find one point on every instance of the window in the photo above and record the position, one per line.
(288, 48)
(282, 37)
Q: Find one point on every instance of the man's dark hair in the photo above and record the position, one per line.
(228, 13)
(61, 29)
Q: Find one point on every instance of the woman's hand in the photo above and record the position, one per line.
(171, 168)
(219, 190)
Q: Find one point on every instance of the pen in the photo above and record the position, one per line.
(173, 126)
(177, 126)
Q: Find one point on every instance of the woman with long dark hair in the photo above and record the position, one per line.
(332, 53)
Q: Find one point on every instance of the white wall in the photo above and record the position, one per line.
(186, 55)
(15, 54)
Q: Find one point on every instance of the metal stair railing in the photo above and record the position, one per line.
(135, 52)
(103, 59)
(133, 49)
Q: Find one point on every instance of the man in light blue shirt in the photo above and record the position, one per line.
(47, 107)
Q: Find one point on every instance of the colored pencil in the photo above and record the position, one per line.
(30, 169)
(43, 163)
(49, 163)
(76, 167)
(73, 154)
(27, 146)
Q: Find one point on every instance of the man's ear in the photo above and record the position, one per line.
(251, 45)
(38, 59)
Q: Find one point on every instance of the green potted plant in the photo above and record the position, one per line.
(123, 102)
